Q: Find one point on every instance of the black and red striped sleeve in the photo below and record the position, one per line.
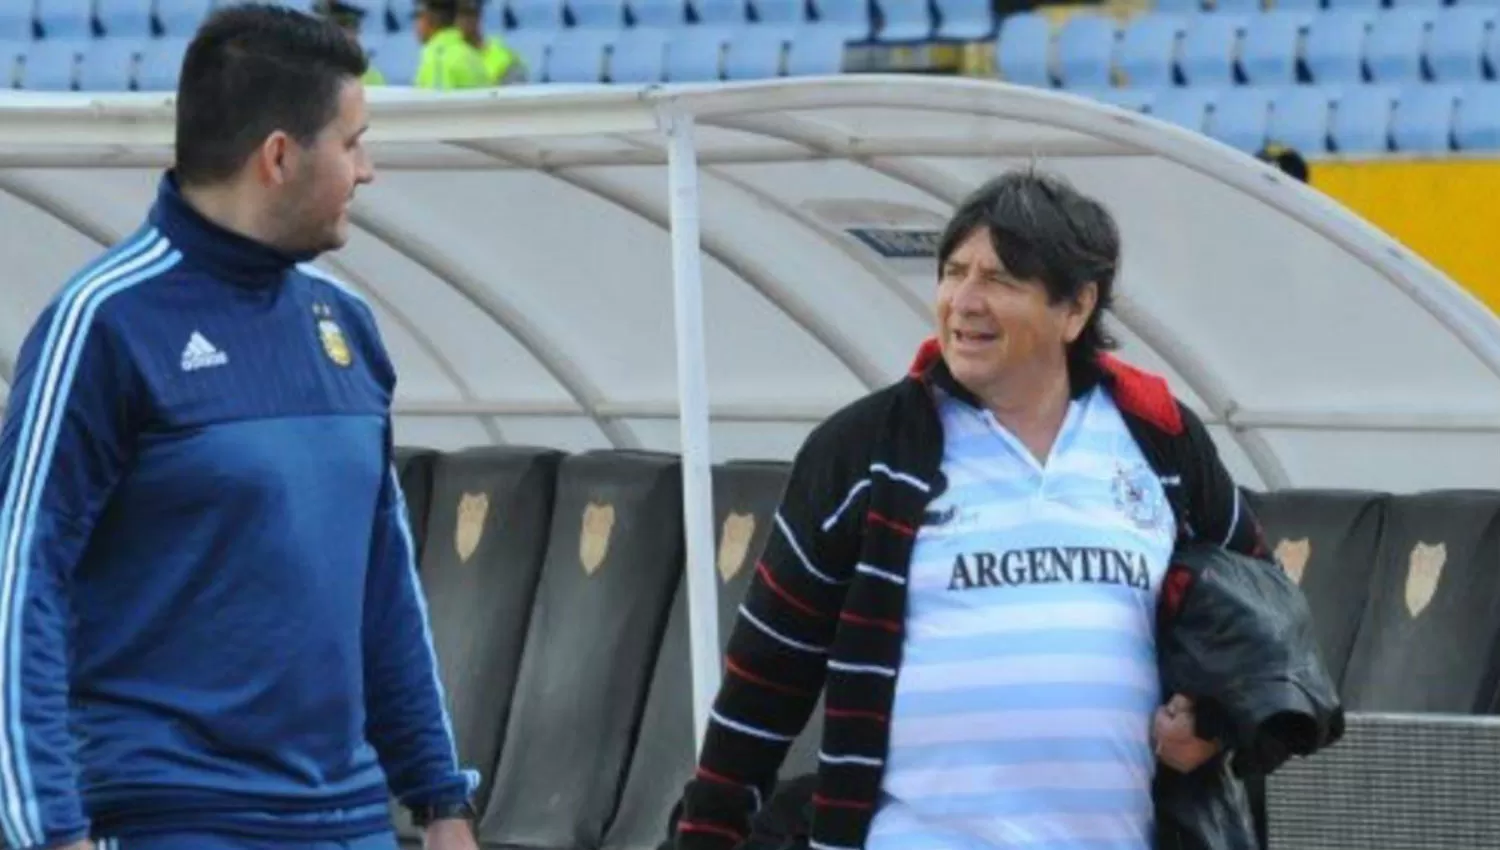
(1220, 513)
(777, 654)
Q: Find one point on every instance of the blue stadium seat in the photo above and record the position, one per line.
(180, 18)
(532, 46)
(1422, 121)
(491, 15)
(400, 55)
(815, 50)
(1355, 5)
(125, 18)
(1361, 120)
(160, 64)
(904, 21)
(1185, 107)
(1208, 49)
(109, 64)
(1334, 49)
(1309, 6)
(15, 23)
(537, 14)
(577, 56)
(696, 55)
(851, 18)
(782, 12)
(66, 19)
(1131, 99)
(52, 64)
(1455, 47)
(1085, 50)
(1147, 52)
(403, 13)
(598, 14)
(1241, 118)
(1269, 50)
(1178, 7)
(11, 54)
(1023, 51)
(1299, 118)
(1418, 4)
(965, 20)
(673, 13)
(756, 52)
(1236, 7)
(725, 13)
(639, 56)
(1476, 127)
(1393, 49)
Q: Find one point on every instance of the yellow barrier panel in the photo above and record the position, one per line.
(1443, 210)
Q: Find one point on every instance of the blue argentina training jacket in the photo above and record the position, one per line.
(208, 601)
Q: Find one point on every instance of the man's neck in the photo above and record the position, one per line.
(1032, 407)
(230, 210)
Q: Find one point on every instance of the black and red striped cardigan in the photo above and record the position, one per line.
(826, 609)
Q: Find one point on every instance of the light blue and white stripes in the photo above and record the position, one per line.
(141, 258)
(1025, 693)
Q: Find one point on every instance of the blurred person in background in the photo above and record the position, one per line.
(448, 60)
(504, 66)
(1288, 160)
(350, 18)
(215, 639)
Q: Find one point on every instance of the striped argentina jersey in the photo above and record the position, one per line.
(1028, 682)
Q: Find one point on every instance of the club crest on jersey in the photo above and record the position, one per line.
(1136, 498)
(332, 336)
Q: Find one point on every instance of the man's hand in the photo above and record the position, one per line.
(1176, 745)
(449, 834)
(80, 844)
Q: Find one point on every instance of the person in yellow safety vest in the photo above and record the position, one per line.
(505, 66)
(350, 17)
(448, 60)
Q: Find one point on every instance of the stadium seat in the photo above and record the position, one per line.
(849, 18)
(666, 14)
(722, 13)
(1455, 46)
(965, 20)
(1355, 5)
(1328, 542)
(402, 13)
(125, 18)
(756, 52)
(815, 50)
(1185, 107)
(1299, 118)
(400, 55)
(1393, 48)
(180, 18)
(109, 64)
(1209, 46)
(1146, 56)
(577, 56)
(781, 12)
(491, 510)
(160, 64)
(52, 64)
(639, 56)
(1361, 120)
(532, 46)
(1240, 119)
(598, 14)
(696, 54)
(416, 468)
(66, 19)
(1179, 7)
(1334, 48)
(745, 500)
(1304, 6)
(538, 14)
(903, 21)
(1023, 52)
(1422, 121)
(1477, 125)
(614, 560)
(1418, 4)
(1427, 639)
(1270, 49)
(1085, 50)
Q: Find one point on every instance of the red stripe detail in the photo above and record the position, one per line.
(832, 803)
(765, 683)
(765, 576)
(705, 773)
(891, 524)
(861, 715)
(710, 829)
(889, 625)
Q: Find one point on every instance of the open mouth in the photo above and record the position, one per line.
(973, 337)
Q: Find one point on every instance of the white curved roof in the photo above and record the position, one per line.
(516, 248)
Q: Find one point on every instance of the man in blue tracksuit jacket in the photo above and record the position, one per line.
(212, 629)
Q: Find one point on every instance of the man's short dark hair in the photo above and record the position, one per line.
(253, 69)
(1044, 229)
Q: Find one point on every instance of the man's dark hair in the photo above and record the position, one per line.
(253, 69)
(1044, 229)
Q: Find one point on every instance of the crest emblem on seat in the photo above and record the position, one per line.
(734, 543)
(473, 508)
(593, 542)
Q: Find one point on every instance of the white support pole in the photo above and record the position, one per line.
(692, 391)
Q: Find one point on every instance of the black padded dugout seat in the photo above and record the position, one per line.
(414, 467)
